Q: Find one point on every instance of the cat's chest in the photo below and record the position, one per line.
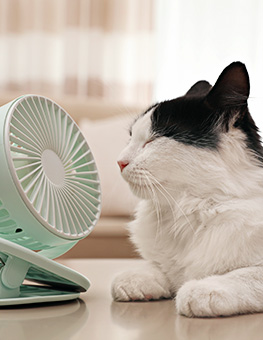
(170, 241)
(157, 243)
(162, 237)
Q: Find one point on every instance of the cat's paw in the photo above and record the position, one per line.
(142, 286)
(205, 298)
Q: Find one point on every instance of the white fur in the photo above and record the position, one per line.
(199, 225)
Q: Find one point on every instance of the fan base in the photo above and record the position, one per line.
(55, 282)
(30, 294)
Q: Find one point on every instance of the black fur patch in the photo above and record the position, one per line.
(190, 121)
(187, 120)
(199, 117)
(253, 139)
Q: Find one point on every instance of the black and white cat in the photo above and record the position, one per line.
(196, 162)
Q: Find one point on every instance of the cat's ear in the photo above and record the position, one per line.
(231, 88)
(199, 88)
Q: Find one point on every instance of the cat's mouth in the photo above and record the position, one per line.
(142, 183)
(137, 180)
(140, 190)
(141, 187)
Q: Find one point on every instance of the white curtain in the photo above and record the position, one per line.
(95, 48)
(129, 51)
(198, 38)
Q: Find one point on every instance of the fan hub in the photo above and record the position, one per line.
(50, 161)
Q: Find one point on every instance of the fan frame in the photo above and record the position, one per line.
(15, 179)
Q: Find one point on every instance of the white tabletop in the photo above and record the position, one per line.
(95, 316)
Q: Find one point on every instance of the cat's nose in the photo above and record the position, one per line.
(122, 164)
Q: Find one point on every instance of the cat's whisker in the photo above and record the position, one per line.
(144, 187)
(156, 203)
(169, 203)
(164, 191)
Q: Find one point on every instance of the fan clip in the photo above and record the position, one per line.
(12, 274)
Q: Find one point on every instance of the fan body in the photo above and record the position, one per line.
(49, 186)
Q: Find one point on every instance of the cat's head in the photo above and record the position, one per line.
(200, 141)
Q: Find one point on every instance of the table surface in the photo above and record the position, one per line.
(95, 316)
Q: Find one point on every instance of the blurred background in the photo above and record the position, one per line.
(130, 51)
(105, 61)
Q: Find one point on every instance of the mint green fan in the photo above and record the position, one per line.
(49, 199)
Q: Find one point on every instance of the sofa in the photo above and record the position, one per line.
(105, 127)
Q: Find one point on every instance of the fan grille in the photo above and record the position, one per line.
(53, 167)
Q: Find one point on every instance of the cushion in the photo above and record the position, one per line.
(106, 139)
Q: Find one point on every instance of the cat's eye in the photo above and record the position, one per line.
(148, 141)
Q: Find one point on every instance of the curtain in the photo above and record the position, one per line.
(198, 39)
(95, 48)
(128, 51)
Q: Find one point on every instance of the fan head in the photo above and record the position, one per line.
(49, 185)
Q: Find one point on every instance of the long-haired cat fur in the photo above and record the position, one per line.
(196, 163)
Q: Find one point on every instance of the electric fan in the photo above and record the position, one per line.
(49, 200)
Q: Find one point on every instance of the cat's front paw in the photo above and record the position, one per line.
(205, 298)
(142, 286)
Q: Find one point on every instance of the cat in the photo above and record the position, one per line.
(196, 162)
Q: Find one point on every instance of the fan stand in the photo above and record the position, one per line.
(55, 282)
(50, 200)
